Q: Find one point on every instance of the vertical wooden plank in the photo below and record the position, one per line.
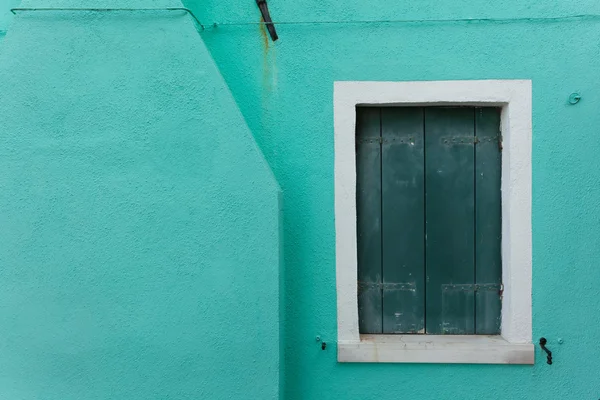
(450, 214)
(368, 210)
(488, 222)
(403, 222)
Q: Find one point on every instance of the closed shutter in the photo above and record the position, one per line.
(428, 220)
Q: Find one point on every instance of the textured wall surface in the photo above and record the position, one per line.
(139, 240)
(6, 15)
(285, 91)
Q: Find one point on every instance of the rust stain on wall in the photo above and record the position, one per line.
(264, 34)
(269, 70)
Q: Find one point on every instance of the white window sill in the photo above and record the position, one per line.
(446, 349)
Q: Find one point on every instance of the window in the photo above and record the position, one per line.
(428, 220)
(465, 320)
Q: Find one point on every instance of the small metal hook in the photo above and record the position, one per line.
(574, 98)
(543, 342)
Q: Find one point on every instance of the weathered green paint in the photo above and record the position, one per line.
(139, 223)
(284, 91)
(403, 223)
(450, 224)
(460, 209)
(488, 221)
(368, 218)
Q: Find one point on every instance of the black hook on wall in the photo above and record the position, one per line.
(543, 342)
(323, 344)
(264, 10)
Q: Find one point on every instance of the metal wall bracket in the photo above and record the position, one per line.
(543, 342)
(264, 10)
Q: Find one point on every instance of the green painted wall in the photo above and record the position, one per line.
(6, 15)
(119, 281)
(285, 91)
(139, 223)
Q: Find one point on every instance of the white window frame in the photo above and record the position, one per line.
(513, 345)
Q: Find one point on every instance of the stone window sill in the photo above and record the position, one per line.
(446, 349)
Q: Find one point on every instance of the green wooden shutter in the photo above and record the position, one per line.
(403, 225)
(429, 220)
(450, 224)
(488, 221)
(368, 218)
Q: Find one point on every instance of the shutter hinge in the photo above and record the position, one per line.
(500, 147)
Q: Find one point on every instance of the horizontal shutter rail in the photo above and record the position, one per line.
(400, 286)
(407, 140)
(369, 140)
(469, 287)
(468, 139)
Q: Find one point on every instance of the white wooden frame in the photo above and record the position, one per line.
(514, 345)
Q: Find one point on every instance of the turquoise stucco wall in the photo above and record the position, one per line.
(139, 222)
(103, 299)
(285, 91)
(6, 15)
